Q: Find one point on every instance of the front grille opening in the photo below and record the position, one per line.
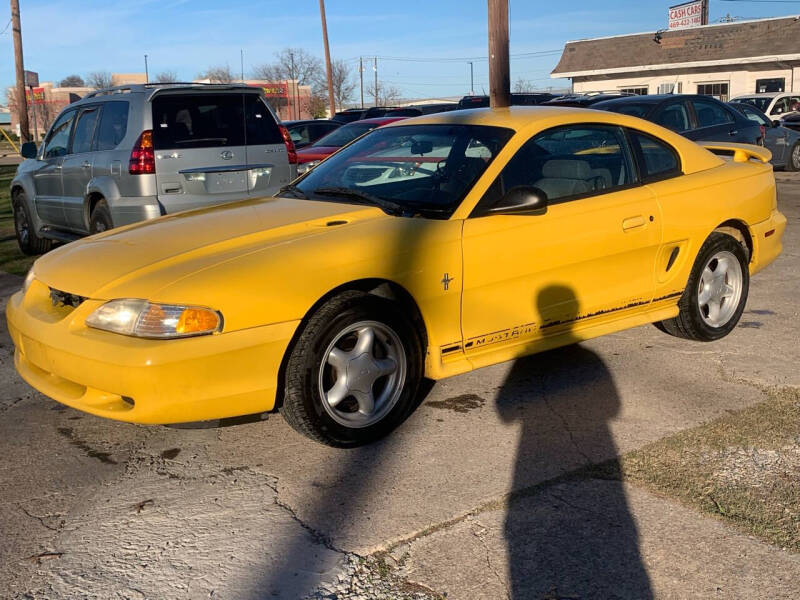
(128, 400)
(59, 298)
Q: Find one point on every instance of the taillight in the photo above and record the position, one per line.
(763, 139)
(287, 139)
(143, 159)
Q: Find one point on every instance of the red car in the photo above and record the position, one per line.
(325, 146)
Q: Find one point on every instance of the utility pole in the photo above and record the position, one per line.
(361, 75)
(146, 72)
(22, 101)
(499, 78)
(471, 80)
(293, 83)
(375, 68)
(331, 99)
(241, 62)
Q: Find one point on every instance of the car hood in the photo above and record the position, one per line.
(140, 260)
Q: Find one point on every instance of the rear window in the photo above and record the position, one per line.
(198, 121)
(113, 125)
(344, 135)
(760, 103)
(623, 108)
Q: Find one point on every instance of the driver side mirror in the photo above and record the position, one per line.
(776, 122)
(28, 150)
(521, 200)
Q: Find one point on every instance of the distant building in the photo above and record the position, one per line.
(724, 60)
(290, 101)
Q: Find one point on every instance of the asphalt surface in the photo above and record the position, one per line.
(463, 498)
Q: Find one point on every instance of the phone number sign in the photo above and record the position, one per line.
(690, 14)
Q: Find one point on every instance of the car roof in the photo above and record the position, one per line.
(764, 95)
(376, 121)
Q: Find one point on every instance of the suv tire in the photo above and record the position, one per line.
(354, 373)
(29, 241)
(100, 219)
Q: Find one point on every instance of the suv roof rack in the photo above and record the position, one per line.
(140, 87)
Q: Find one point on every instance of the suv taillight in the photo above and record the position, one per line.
(143, 159)
(287, 139)
(763, 140)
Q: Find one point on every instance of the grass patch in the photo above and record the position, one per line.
(11, 259)
(743, 468)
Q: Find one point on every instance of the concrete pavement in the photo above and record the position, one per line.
(465, 496)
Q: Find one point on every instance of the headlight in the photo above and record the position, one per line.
(29, 279)
(305, 167)
(141, 318)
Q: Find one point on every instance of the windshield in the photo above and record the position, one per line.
(344, 135)
(760, 103)
(426, 169)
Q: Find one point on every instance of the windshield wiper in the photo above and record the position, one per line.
(389, 207)
(294, 190)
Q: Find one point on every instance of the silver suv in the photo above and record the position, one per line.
(130, 153)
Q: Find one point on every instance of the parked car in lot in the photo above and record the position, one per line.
(305, 133)
(131, 153)
(427, 248)
(586, 100)
(693, 116)
(312, 155)
(417, 110)
(349, 115)
(772, 104)
(527, 99)
(782, 142)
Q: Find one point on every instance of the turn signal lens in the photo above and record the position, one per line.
(141, 318)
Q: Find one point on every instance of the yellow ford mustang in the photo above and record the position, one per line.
(427, 248)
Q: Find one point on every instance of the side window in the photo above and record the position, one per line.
(261, 126)
(58, 138)
(710, 114)
(113, 125)
(566, 163)
(674, 117)
(755, 116)
(300, 135)
(84, 131)
(657, 159)
(781, 106)
(184, 121)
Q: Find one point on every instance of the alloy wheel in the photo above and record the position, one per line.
(21, 224)
(720, 288)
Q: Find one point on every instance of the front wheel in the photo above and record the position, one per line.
(354, 373)
(715, 296)
(793, 164)
(28, 240)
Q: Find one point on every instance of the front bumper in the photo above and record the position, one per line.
(767, 241)
(139, 380)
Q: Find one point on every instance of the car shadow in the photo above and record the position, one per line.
(572, 535)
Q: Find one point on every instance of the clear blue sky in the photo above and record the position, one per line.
(186, 36)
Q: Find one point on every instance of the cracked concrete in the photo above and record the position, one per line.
(471, 496)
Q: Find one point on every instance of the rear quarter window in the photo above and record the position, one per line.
(260, 124)
(113, 125)
(657, 159)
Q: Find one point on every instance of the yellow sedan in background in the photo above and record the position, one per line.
(426, 248)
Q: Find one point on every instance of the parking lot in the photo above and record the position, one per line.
(487, 491)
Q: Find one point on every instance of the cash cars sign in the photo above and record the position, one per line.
(689, 14)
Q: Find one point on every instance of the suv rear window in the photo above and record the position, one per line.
(182, 121)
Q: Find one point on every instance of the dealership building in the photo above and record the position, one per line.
(722, 60)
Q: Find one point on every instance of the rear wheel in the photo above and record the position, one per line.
(793, 164)
(29, 241)
(716, 294)
(354, 373)
(100, 219)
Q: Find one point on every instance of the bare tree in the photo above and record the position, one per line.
(292, 63)
(344, 84)
(45, 111)
(166, 77)
(317, 105)
(72, 81)
(99, 79)
(522, 86)
(387, 94)
(218, 74)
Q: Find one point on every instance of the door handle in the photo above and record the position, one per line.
(87, 164)
(733, 132)
(633, 223)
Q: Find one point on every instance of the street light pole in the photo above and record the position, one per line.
(146, 72)
(361, 75)
(375, 68)
(499, 77)
(471, 80)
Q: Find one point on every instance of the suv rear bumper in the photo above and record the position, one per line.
(125, 211)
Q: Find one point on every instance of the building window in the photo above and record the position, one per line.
(669, 88)
(777, 84)
(717, 90)
(639, 91)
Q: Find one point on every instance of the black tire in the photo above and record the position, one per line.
(29, 241)
(793, 163)
(303, 403)
(690, 322)
(100, 219)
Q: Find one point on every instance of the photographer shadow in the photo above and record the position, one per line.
(568, 528)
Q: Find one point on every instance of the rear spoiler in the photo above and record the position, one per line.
(740, 152)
